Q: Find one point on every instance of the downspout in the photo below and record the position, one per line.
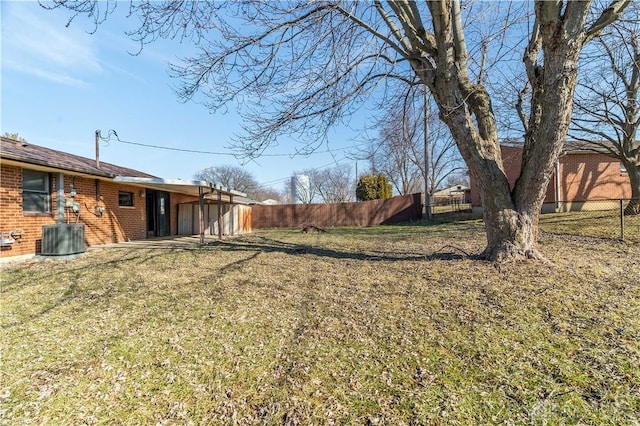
(558, 185)
(98, 149)
(60, 198)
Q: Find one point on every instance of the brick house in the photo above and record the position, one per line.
(41, 186)
(582, 180)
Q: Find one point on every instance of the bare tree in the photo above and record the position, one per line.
(267, 193)
(285, 193)
(305, 65)
(455, 179)
(239, 179)
(331, 185)
(398, 150)
(233, 177)
(607, 109)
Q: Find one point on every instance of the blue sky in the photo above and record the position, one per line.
(59, 84)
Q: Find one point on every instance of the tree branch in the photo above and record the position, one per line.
(609, 15)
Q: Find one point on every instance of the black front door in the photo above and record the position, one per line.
(158, 223)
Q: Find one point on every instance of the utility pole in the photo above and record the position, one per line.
(427, 194)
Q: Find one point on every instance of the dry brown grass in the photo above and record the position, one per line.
(387, 325)
(598, 223)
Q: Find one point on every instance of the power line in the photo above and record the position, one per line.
(324, 166)
(168, 148)
(112, 132)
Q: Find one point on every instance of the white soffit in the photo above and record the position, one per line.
(177, 185)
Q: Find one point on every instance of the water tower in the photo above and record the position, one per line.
(300, 189)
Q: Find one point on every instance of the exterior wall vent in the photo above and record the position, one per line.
(62, 239)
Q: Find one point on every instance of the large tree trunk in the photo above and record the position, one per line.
(511, 235)
(633, 207)
(511, 231)
(510, 215)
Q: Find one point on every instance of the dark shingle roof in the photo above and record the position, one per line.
(577, 147)
(571, 146)
(25, 152)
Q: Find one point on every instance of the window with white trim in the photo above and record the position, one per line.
(623, 169)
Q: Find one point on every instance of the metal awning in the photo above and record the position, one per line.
(190, 187)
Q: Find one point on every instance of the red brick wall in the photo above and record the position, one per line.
(11, 216)
(584, 177)
(116, 223)
(588, 177)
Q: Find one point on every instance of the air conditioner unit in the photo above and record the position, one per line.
(62, 239)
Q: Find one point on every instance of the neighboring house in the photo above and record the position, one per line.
(41, 186)
(582, 180)
(456, 194)
(270, 202)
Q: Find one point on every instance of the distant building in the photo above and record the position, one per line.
(456, 194)
(270, 202)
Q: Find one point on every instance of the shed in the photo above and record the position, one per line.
(223, 215)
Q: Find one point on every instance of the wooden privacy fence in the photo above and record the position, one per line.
(366, 213)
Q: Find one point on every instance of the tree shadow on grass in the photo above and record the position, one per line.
(263, 244)
(74, 271)
(132, 258)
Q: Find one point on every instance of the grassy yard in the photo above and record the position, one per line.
(602, 223)
(386, 325)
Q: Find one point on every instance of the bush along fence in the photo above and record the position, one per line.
(366, 213)
(601, 218)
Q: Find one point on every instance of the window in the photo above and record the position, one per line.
(35, 192)
(623, 169)
(125, 199)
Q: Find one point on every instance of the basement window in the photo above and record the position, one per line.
(36, 192)
(125, 199)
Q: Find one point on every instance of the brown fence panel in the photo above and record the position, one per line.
(366, 213)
